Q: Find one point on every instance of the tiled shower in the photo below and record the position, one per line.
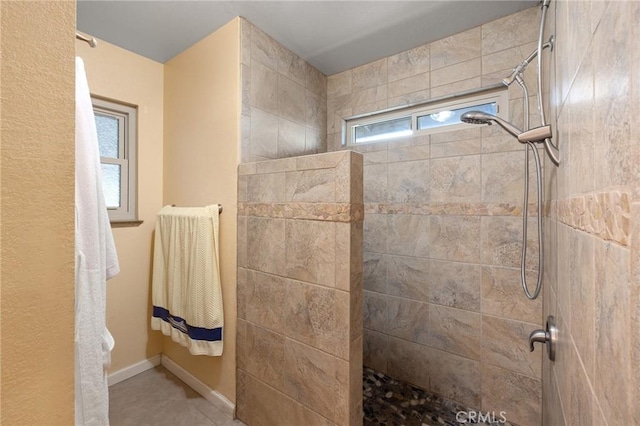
(442, 304)
(443, 308)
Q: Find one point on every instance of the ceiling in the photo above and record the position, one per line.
(331, 35)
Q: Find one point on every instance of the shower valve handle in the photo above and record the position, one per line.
(548, 337)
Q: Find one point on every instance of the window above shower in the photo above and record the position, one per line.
(433, 116)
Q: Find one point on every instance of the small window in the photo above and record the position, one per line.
(434, 116)
(116, 125)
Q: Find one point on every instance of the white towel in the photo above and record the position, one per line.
(96, 262)
(186, 292)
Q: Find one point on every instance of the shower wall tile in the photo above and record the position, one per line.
(502, 295)
(266, 294)
(513, 30)
(300, 291)
(291, 100)
(375, 272)
(315, 81)
(409, 362)
(582, 297)
(291, 138)
(339, 84)
(403, 100)
(455, 238)
(456, 148)
(503, 177)
(436, 209)
(318, 317)
(242, 241)
(456, 87)
(408, 235)
(376, 350)
(284, 107)
(455, 377)
(635, 308)
(596, 281)
(307, 370)
(457, 48)
(375, 233)
(612, 329)
(455, 331)
(505, 344)
(356, 412)
(376, 178)
(241, 292)
(315, 111)
(264, 134)
(452, 73)
(311, 186)
(246, 90)
(264, 49)
(310, 251)
(264, 88)
(368, 96)
(406, 277)
(375, 311)
(241, 343)
(504, 61)
(408, 319)
(370, 75)
(264, 355)
(455, 285)
(408, 85)
(292, 66)
(266, 233)
(257, 402)
(502, 241)
(517, 395)
(267, 188)
(456, 179)
(409, 63)
(580, 400)
(408, 182)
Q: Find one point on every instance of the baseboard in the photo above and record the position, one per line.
(214, 397)
(132, 370)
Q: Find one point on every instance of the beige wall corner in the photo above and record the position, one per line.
(126, 77)
(201, 144)
(37, 225)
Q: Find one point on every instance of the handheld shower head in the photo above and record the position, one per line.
(479, 117)
(537, 134)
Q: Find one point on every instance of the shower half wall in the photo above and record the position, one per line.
(299, 357)
(443, 306)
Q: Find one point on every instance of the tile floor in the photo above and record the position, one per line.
(157, 397)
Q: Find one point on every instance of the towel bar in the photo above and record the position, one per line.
(219, 207)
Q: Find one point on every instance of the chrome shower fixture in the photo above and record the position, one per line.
(538, 134)
(517, 71)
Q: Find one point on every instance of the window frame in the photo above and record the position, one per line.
(463, 100)
(127, 116)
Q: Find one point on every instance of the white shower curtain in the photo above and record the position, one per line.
(96, 262)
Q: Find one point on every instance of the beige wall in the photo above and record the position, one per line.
(593, 238)
(201, 154)
(38, 127)
(443, 305)
(122, 76)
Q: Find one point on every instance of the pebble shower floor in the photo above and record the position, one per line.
(388, 402)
